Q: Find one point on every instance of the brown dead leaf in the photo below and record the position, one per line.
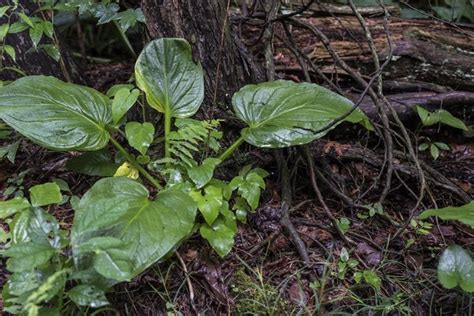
(372, 256)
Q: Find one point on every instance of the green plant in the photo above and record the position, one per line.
(118, 230)
(437, 117)
(37, 25)
(257, 297)
(345, 263)
(456, 265)
(434, 147)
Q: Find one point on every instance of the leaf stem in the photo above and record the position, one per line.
(231, 148)
(167, 133)
(135, 164)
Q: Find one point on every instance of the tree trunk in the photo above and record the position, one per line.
(206, 26)
(31, 61)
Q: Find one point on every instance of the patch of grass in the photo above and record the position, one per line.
(254, 296)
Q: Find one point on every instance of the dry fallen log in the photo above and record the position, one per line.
(423, 50)
(404, 103)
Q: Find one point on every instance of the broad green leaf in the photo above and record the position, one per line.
(4, 30)
(439, 116)
(456, 267)
(36, 225)
(113, 264)
(129, 18)
(106, 12)
(442, 146)
(21, 283)
(55, 114)
(87, 295)
(372, 278)
(45, 194)
(284, 113)
(140, 136)
(434, 151)
(17, 27)
(52, 51)
(26, 19)
(423, 146)
(249, 187)
(11, 207)
(120, 208)
(27, 256)
(36, 33)
(10, 51)
(110, 260)
(94, 163)
(464, 214)
(210, 203)
(202, 174)
(172, 82)
(219, 235)
(9, 151)
(48, 28)
(124, 99)
(116, 88)
(4, 9)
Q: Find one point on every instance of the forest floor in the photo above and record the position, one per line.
(264, 274)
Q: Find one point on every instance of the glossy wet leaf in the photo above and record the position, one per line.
(220, 236)
(110, 260)
(123, 100)
(36, 225)
(210, 203)
(13, 206)
(284, 113)
(202, 174)
(456, 268)
(249, 187)
(172, 81)
(94, 163)
(120, 208)
(55, 114)
(139, 135)
(87, 295)
(464, 214)
(27, 256)
(45, 194)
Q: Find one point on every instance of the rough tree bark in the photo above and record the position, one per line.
(206, 26)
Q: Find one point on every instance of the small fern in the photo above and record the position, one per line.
(187, 141)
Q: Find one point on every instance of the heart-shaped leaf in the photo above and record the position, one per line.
(55, 114)
(140, 136)
(210, 203)
(88, 295)
(172, 82)
(124, 99)
(202, 174)
(456, 267)
(120, 208)
(284, 113)
(220, 235)
(45, 194)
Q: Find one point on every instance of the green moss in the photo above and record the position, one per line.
(255, 297)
